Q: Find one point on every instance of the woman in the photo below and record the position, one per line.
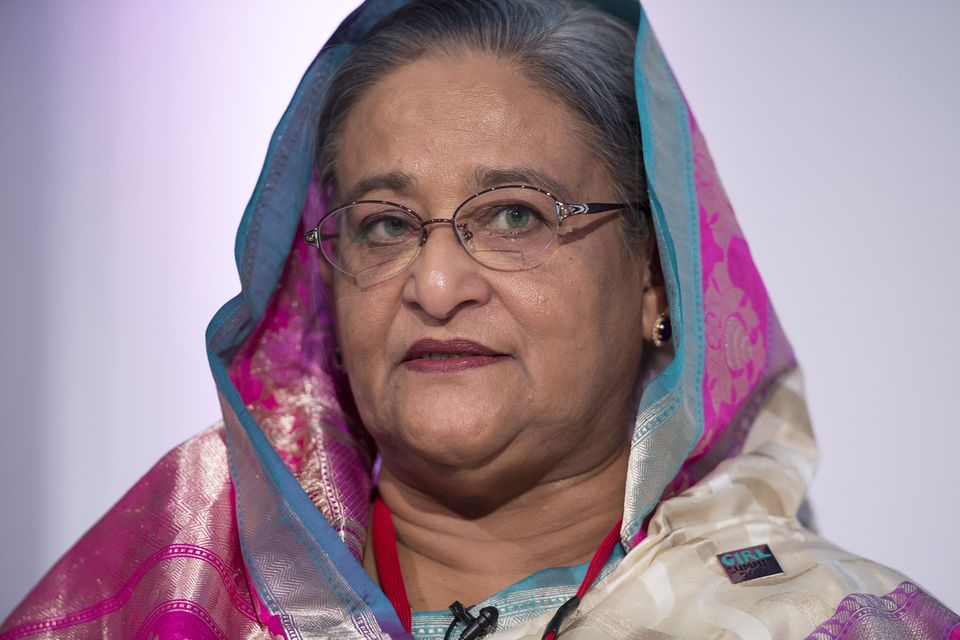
(490, 349)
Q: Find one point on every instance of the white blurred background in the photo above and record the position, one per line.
(132, 133)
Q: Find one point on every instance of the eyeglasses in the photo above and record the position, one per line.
(507, 228)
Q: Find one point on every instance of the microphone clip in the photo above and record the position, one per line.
(476, 626)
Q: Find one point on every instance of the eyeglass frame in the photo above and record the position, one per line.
(563, 211)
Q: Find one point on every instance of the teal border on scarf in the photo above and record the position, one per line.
(684, 374)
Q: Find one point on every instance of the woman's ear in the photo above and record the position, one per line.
(654, 294)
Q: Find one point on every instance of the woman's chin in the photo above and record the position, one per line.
(450, 445)
(471, 478)
(450, 425)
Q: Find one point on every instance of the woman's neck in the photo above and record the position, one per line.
(445, 556)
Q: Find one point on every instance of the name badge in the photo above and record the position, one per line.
(749, 564)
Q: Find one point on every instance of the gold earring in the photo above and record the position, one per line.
(662, 330)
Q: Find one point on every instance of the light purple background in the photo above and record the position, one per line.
(132, 133)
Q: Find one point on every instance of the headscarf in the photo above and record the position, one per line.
(259, 525)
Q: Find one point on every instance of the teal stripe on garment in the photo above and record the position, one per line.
(538, 594)
(668, 256)
(677, 392)
(272, 217)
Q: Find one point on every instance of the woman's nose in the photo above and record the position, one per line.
(444, 278)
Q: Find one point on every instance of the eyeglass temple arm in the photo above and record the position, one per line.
(313, 237)
(587, 208)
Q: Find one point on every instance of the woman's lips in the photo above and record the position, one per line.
(449, 356)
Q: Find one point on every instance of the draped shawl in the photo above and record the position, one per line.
(255, 528)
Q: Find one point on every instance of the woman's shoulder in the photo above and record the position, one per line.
(166, 553)
(760, 578)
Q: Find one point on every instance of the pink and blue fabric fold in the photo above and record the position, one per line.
(256, 527)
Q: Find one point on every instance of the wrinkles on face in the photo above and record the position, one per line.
(566, 329)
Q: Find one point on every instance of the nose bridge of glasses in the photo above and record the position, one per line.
(460, 230)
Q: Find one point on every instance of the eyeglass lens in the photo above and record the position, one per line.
(507, 229)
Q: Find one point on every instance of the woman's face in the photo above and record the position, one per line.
(557, 395)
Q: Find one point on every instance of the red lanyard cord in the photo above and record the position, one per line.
(388, 563)
(597, 563)
(391, 580)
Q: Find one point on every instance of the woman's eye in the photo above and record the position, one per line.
(393, 227)
(385, 227)
(513, 217)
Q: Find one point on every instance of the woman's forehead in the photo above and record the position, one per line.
(480, 178)
(473, 121)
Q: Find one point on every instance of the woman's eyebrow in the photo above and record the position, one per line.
(487, 177)
(395, 181)
(484, 177)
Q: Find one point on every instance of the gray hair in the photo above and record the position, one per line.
(575, 52)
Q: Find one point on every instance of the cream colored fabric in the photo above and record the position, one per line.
(672, 585)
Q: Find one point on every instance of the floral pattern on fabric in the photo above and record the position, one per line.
(735, 303)
(287, 378)
(905, 613)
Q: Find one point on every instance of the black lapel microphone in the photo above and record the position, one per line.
(477, 626)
